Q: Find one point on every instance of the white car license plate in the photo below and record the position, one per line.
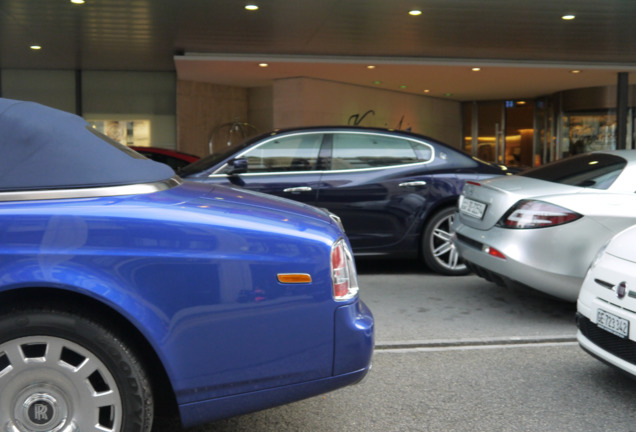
(613, 324)
(472, 208)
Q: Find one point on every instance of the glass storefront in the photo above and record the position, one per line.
(500, 131)
(586, 132)
(529, 133)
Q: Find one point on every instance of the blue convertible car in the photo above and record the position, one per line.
(125, 291)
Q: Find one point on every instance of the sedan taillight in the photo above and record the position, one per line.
(527, 214)
(343, 272)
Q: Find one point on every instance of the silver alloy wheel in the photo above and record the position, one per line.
(55, 385)
(443, 250)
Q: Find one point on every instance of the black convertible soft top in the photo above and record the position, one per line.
(45, 148)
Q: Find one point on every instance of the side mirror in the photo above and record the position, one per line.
(237, 166)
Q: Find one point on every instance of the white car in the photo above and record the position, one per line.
(606, 306)
(543, 227)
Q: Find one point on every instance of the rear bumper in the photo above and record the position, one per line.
(553, 260)
(196, 413)
(528, 271)
(354, 340)
(353, 351)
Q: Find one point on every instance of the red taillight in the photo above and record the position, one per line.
(494, 252)
(536, 214)
(343, 273)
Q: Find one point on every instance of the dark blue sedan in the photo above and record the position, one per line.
(125, 291)
(396, 192)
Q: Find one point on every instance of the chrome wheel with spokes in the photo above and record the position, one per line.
(52, 384)
(61, 373)
(438, 251)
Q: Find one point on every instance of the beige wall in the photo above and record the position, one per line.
(203, 108)
(261, 108)
(304, 102)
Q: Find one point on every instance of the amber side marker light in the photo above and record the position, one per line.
(294, 278)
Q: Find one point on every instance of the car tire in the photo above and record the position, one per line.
(438, 252)
(63, 371)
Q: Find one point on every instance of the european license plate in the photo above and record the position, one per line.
(472, 208)
(612, 323)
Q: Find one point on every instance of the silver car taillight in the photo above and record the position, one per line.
(527, 214)
(343, 272)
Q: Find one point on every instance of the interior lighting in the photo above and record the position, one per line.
(263, 65)
(251, 7)
(427, 91)
(35, 47)
(476, 69)
(568, 17)
(371, 67)
(575, 71)
(415, 12)
(78, 2)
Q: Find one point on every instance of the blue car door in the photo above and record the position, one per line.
(286, 166)
(378, 185)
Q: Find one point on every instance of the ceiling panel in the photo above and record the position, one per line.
(523, 46)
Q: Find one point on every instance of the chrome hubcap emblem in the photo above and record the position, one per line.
(40, 412)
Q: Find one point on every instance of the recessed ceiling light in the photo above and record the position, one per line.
(427, 91)
(568, 17)
(415, 12)
(575, 71)
(251, 7)
(371, 67)
(263, 65)
(78, 1)
(35, 47)
(476, 69)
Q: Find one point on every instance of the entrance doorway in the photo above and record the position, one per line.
(511, 133)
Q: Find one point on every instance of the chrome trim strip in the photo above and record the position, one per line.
(277, 135)
(217, 174)
(96, 192)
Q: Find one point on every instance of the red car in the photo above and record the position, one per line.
(173, 158)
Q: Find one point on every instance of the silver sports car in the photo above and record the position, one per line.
(543, 227)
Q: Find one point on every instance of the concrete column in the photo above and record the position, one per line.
(621, 110)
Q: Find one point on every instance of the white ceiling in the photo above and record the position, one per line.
(523, 47)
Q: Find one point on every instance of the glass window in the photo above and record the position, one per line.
(128, 132)
(357, 151)
(597, 171)
(588, 132)
(292, 153)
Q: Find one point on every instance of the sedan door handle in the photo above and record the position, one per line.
(299, 189)
(413, 184)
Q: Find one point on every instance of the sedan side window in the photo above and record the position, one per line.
(285, 154)
(358, 151)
